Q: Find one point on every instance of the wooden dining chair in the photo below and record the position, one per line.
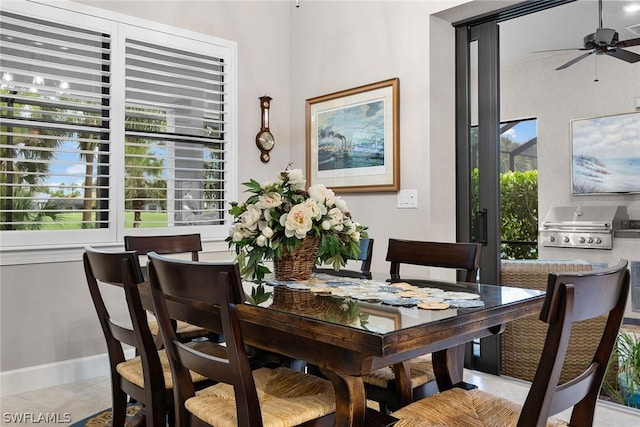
(202, 294)
(570, 297)
(364, 256)
(381, 385)
(171, 244)
(146, 378)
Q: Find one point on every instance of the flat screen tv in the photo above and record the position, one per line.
(606, 154)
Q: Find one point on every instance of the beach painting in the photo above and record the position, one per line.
(606, 154)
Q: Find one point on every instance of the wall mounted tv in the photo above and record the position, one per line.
(606, 154)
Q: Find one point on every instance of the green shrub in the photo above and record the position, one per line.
(519, 200)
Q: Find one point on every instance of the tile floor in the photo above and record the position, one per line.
(75, 401)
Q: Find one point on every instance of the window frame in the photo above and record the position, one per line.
(37, 246)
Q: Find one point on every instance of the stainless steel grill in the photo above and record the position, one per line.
(581, 226)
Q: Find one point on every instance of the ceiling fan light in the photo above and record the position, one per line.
(631, 8)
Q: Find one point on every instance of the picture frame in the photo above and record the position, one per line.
(605, 156)
(353, 139)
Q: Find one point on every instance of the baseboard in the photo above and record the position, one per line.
(53, 374)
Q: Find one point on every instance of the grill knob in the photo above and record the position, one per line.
(552, 239)
(598, 240)
(581, 240)
(565, 239)
(590, 240)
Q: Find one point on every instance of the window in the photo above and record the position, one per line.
(110, 129)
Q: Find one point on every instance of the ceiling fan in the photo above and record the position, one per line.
(605, 41)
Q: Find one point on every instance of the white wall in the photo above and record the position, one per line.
(340, 45)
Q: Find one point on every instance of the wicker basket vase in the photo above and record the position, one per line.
(297, 265)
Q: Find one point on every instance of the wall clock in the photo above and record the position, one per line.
(264, 139)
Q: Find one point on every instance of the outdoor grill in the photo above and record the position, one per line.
(581, 226)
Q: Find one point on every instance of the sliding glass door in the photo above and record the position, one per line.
(478, 131)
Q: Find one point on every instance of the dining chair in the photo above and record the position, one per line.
(146, 378)
(171, 244)
(570, 297)
(365, 255)
(381, 385)
(201, 293)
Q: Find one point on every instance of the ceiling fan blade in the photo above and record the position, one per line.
(625, 55)
(573, 61)
(558, 50)
(627, 43)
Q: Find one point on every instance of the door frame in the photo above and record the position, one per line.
(483, 29)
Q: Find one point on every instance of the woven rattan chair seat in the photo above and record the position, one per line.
(421, 373)
(131, 370)
(183, 329)
(287, 398)
(462, 408)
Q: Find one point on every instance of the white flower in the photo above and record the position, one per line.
(340, 203)
(337, 219)
(297, 222)
(267, 232)
(261, 241)
(240, 233)
(283, 213)
(322, 194)
(296, 178)
(316, 210)
(249, 218)
(269, 200)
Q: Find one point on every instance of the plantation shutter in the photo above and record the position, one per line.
(175, 135)
(54, 124)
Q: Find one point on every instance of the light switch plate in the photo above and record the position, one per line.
(408, 199)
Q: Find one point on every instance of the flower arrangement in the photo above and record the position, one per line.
(279, 215)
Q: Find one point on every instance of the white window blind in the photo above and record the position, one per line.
(55, 124)
(109, 128)
(175, 149)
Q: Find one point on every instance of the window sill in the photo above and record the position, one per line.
(68, 253)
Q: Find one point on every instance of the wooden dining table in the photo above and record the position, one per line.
(348, 339)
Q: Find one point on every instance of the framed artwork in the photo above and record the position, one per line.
(353, 139)
(606, 154)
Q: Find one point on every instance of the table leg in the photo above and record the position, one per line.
(403, 382)
(351, 401)
(448, 366)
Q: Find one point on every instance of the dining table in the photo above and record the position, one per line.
(349, 328)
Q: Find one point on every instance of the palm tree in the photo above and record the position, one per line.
(142, 169)
(23, 163)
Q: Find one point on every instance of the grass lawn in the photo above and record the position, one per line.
(73, 221)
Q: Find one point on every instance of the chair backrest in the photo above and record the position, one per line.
(573, 297)
(365, 255)
(122, 270)
(460, 256)
(204, 291)
(172, 244)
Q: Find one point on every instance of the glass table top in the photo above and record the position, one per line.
(381, 306)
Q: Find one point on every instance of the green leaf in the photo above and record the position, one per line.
(258, 295)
